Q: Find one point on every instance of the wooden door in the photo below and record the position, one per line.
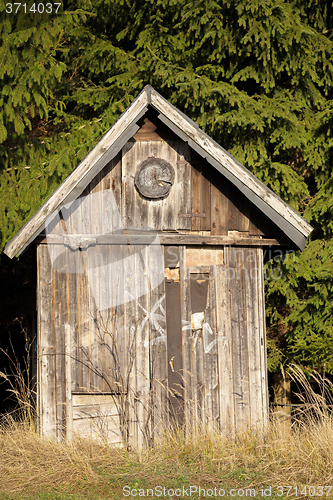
(192, 333)
(200, 333)
(174, 335)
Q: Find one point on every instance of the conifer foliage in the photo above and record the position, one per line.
(256, 76)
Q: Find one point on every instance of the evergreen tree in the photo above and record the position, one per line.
(256, 76)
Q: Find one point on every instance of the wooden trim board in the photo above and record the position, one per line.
(163, 239)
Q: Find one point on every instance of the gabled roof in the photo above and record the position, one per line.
(289, 221)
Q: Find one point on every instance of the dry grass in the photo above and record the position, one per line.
(29, 463)
(38, 468)
(33, 465)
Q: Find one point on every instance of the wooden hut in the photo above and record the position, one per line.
(150, 293)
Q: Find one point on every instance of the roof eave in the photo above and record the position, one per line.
(291, 223)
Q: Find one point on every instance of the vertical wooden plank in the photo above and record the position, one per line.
(46, 345)
(111, 183)
(119, 354)
(109, 207)
(244, 214)
(205, 200)
(104, 331)
(219, 205)
(184, 184)
(92, 362)
(109, 179)
(95, 205)
(195, 198)
(96, 283)
(209, 335)
(201, 194)
(120, 333)
(262, 333)
(134, 330)
(115, 181)
(120, 326)
(174, 347)
(170, 203)
(83, 287)
(128, 192)
(252, 289)
(225, 346)
(139, 153)
(199, 379)
(68, 382)
(131, 366)
(84, 325)
(141, 325)
(91, 224)
(158, 344)
(199, 292)
(233, 223)
(60, 319)
(34, 360)
(239, 329)
(72, 307)
(155, 207)
(96, 276)
(186, 339)
(239, 210)
(76, 269)
(171, 257)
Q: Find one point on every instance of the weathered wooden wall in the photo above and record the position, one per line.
(200, 333)
(189, 347)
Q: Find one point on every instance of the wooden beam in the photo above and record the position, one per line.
(195, 239)
(76, 241)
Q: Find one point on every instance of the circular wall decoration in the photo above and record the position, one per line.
(154, 178)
